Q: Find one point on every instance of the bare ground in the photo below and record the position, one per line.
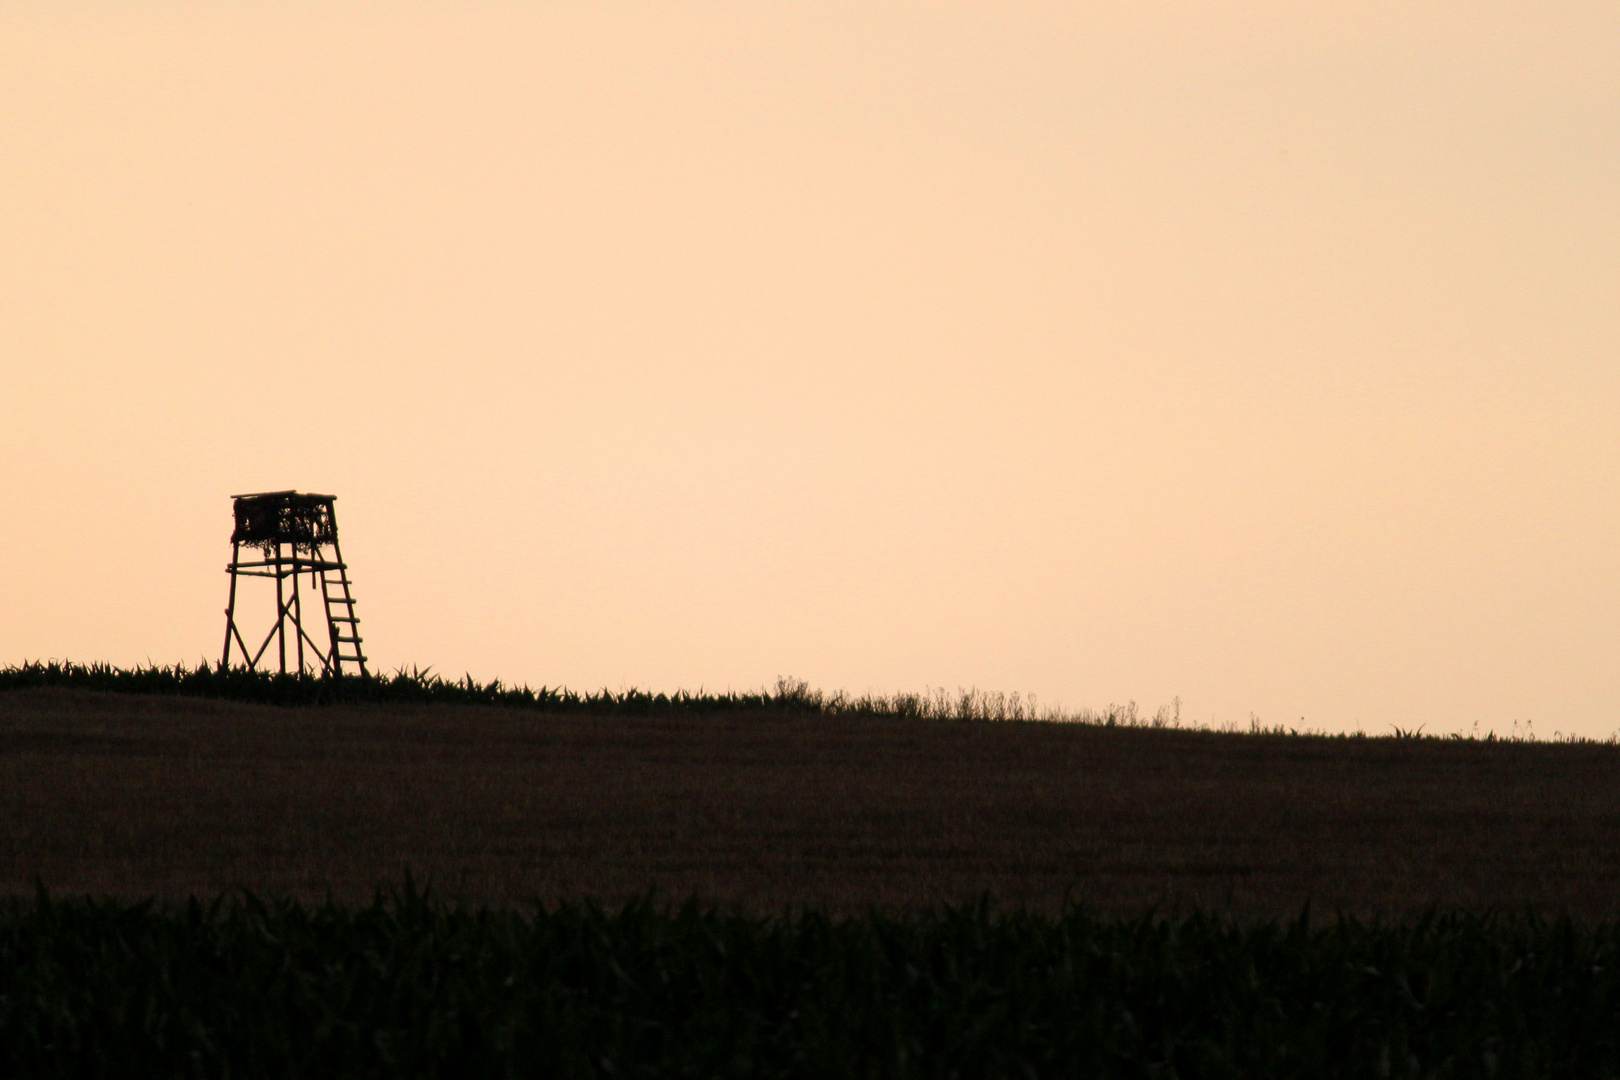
(147, 796)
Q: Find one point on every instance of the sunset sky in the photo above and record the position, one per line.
(1261, 355)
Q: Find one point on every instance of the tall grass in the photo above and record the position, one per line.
(419, 686)
(250, 987)
(789, 696)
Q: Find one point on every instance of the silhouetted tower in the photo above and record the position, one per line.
(292, 531)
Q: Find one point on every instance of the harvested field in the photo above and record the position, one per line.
(137, 796)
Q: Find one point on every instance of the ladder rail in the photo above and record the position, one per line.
(342, 600)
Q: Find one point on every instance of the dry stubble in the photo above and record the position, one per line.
(140, 796)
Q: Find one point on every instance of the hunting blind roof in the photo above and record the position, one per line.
(302, 519)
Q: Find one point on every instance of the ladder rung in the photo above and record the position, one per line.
(355, 640)
(341, 618)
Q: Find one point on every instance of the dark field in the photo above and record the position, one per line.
(136, 796)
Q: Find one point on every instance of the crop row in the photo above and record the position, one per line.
(425, 687)
(245, 986)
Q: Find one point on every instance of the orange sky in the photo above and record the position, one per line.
(1260, 354)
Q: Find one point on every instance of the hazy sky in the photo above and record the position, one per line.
(1267, 355)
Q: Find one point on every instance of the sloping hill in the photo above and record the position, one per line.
(134, 796)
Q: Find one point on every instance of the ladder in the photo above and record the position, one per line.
(341, 622)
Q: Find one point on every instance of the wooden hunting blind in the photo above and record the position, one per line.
(294, 533)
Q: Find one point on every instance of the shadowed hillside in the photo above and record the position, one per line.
(136, 795)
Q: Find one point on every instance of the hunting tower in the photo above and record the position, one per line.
(292, 531)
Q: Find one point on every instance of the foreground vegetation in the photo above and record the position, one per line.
(407, 986)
